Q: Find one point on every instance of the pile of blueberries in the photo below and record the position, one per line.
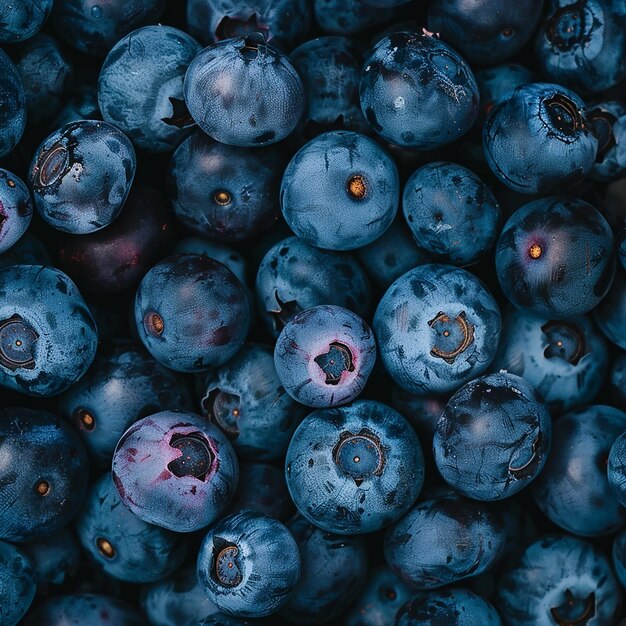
(312, 312)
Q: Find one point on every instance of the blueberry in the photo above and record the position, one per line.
(249, 564)
(554, 257)
(243, 92)
(324, 356)
(12, 105)
(493, 437)
(224, 192)
(573, 490)
(610, 315)
(437, 328)
(354, 469)
(53, 558)
(17, 584)
(608, 120)
(16, 209)
(175, 470)
(340, 191)
(559, 580)
(616, 469)
(44, 474)
(191, 313)
(539, 140)
(47, 334)
(348, 17)
(452, 214)
(22, 19)
(416, 91)
(246, 400)
(564, 360)
(81, 175)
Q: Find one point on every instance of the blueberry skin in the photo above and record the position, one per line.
(22, 19)
(16, 209)
(95, 27)
(485, 32)
(140, 88)
(554, 257)
(332, 572)
(573, 490)
(81, 174)
(618, 381)
(246, 400)
(175, 470)
(565, 361)
(224, 192)
(452, 607)
(340, 191)
(178, 599)
(243, 92)
(12, 105)
(444, 540)
(324, 356)
(559, 579)
(226, 255)
(412, 320)
(53, 558)
(123, 545)
(122, 386)
(609, 125)
(452, 214)
(28, 250)
(331, 489)
(48, 337)
(282, 22)
(539, 140)
(618, 553)
(84, 609)
(587, 35)
(378, 603)
(416, 91)
(493, 437)
(17, 584)
(44, 477)
(616, 469)
(294, 276)
(610, 314)
(191, 312)
(249, 564)
(348, 17)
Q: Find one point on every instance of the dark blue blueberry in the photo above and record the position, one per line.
(294, 276)
(608, 120)
(539, 139)
(249, 564)
(573, 490)
(443, 540)
(610, 315)
(44, 474)
(589, 34)
(81, 175)
(378, 603)
(12, 105)
(354, 469)
(224, 192)
(123, 545)
(82, 104)
(191, 313)
(17, 584)
(348, 17)
(243, 92)
(340, 191)
(616, 469)
(175, 470)
(21, 19)
(554, 257)
(493, 437)
(95, 26)
(324, 356)
(618, 381)
(416, 91)
(619, 557)
(246, 400)
(122, 386)
(449, 607)
(485, 31)
(48, 337)
(140, 89)
(437, 327)
(452, 214)
(559, 580)
(332, 572)
(16, 209)
(53, 558)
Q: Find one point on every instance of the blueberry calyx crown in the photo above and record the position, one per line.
(574, 611)
(335, 362)
(42, 488)
(563, 114)
(226, 570)
(230, 27)
(566, 27)
(249, 51)
(566, 341)
(222, 197)
(454, 335)
(196, 459)
(86, 420)
(356, 186)
(224, 408)
(105, 548)
(17, 344)
(153, 323)
(359, 455)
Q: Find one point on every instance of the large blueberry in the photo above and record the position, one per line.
(354, 469)
(610, 315)
(21, 19)
(17, 584)
(12, 105)
(16, 209)
(437, 327)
